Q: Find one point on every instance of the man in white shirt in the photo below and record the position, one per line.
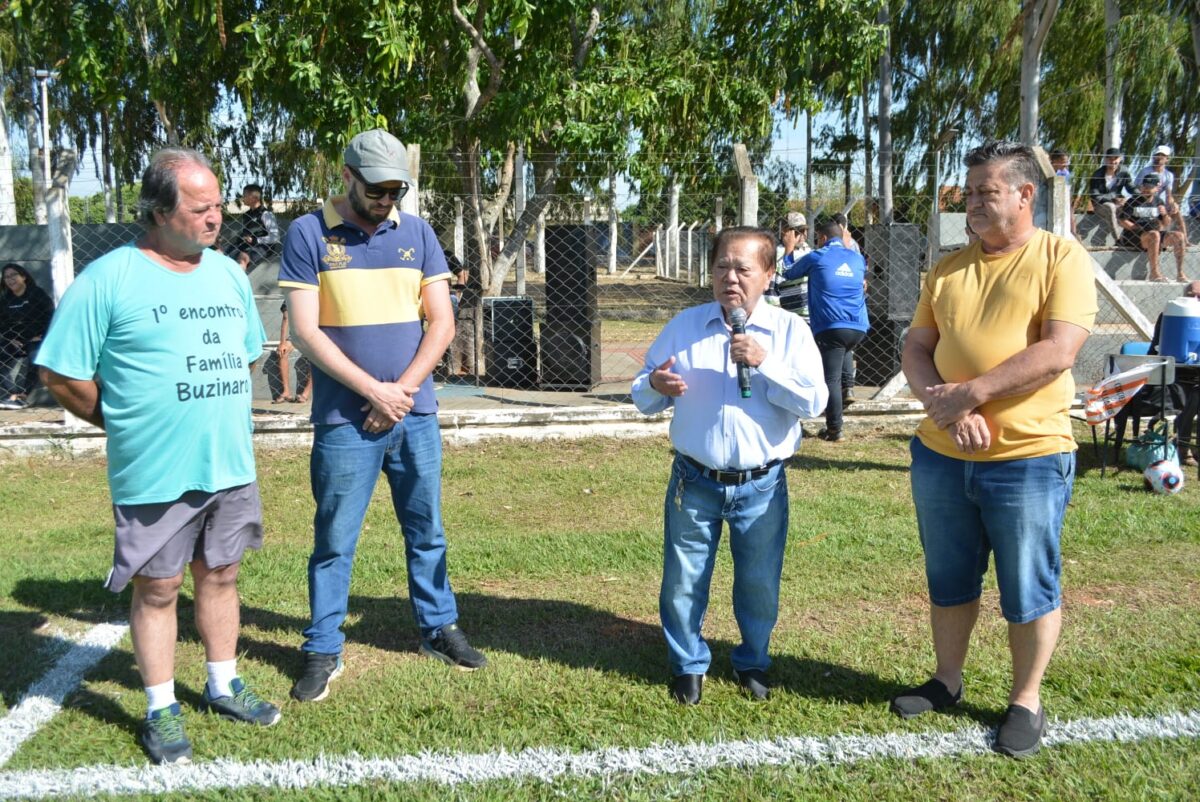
(1166, 186)
(730, 451)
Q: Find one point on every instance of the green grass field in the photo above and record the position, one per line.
(555, 551)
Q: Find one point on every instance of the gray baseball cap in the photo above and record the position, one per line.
(378, 157)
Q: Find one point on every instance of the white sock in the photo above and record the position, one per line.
(219, 676)
(161, 695)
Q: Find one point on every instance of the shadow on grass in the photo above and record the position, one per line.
(811, 462)
(571, 634)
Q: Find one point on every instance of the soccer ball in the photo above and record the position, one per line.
(1164, 477)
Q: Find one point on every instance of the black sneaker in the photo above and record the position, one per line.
(164, 738)
(243, 705)
(832, 435)
(1020, 733)
(319, 671)
(451, 647)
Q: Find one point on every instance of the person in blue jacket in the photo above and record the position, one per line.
(837, 309)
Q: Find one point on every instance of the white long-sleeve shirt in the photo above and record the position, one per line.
(713, 424)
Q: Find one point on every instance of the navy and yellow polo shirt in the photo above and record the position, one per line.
(369, 287)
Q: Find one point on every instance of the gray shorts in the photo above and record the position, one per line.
(158, 540)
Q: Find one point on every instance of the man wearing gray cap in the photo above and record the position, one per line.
(359, 276)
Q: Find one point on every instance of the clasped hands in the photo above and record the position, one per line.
(387, 405)
(952, 407)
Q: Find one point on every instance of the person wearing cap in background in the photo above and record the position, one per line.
(793, 236)
(1166, 185)
(1109, 187)
(1144, 218)
(359, 276)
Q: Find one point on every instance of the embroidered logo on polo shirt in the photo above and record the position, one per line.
(407, 254)
(335, 253)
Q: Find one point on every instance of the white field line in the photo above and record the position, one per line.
(44, 698)
(546, 765)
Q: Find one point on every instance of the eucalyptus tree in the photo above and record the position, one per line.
(581, 83)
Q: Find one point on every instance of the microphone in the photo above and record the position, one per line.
(737, 321)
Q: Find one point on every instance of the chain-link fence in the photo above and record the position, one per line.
(563, 294)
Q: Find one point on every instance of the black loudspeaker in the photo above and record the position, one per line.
(570, 336)
(571, 356)
(509, 347)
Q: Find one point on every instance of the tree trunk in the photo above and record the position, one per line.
(1194, 24)
(885, 122)
(1114, 92)
(8, 201)
(33, 135)
(869, 175)
(521, 226)
(1039, 14)
(106, 165)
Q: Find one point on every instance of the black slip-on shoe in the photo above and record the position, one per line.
(754, 682)
(1020, 732)
(933, 695)
(686, 688)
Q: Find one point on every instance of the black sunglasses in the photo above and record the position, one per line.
(374, 191)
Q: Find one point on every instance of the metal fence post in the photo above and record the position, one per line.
(613, 224)
(518, 210)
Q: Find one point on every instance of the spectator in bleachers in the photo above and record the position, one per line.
(1061, 162)
(1110, 186)
(1144, 218)
(1166, 186)
(258, 239)
(25, 312)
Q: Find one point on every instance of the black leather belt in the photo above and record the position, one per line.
(731, 477)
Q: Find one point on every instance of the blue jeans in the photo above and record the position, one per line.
(1012, 508)
(345, 466)
(757, 514)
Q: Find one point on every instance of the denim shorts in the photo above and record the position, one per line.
(1012, 508)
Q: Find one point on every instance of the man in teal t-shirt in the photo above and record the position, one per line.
(153, 343)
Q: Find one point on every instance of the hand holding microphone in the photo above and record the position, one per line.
(737, 322)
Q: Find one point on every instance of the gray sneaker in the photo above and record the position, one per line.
(164, 738)
(244, 705)
(319, 671)
(451, 647)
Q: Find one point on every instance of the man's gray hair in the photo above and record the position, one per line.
(1021, 166)
(160, 182)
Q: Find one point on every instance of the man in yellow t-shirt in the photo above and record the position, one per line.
(989, 355)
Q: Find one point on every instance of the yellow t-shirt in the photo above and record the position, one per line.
(986, 308)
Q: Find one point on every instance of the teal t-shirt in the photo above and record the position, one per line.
(172, 354)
